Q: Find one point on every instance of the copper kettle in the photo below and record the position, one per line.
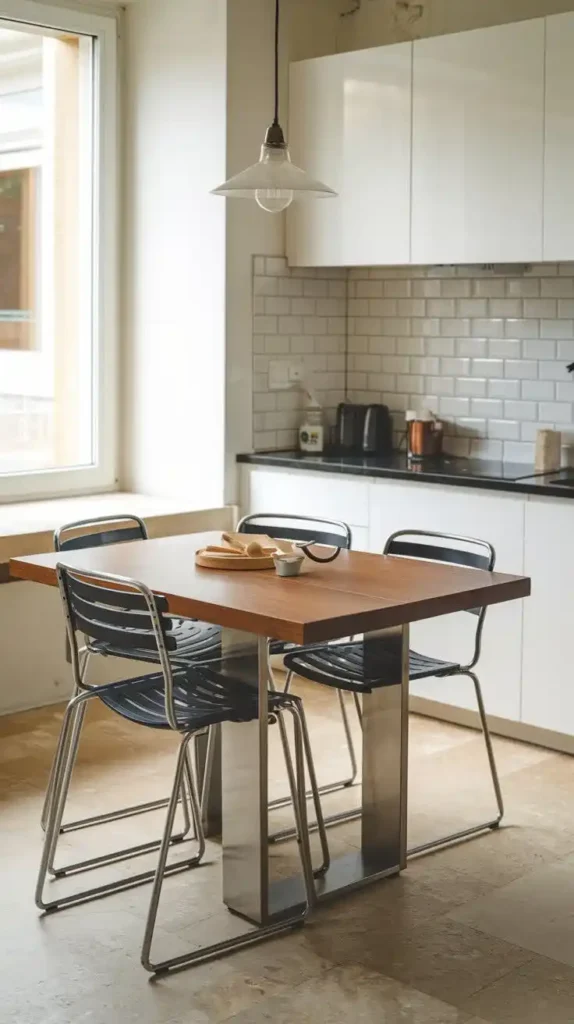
(424, 436)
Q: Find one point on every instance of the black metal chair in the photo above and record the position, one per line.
(193, 639)
(342, 666)
(125, 614)
(312, 534)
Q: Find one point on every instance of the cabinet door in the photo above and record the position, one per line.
(547, 688)
(350, 125)
(559, 140)
(472, 513)
(478, 116)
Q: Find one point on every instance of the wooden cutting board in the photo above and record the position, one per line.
(243, 563)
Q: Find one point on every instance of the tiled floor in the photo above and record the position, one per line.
(482, 932)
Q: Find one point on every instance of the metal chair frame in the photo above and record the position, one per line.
(277, 525)
(183, 777)
(482, 557)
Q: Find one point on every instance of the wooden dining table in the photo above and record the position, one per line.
(365, 594)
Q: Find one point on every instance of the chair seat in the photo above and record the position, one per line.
(200, 699)
(342, 666)
(195, 640)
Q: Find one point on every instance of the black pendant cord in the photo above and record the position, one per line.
(276, 116)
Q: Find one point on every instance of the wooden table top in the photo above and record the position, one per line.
(356, 593)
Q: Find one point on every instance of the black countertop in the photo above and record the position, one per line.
(493, 476)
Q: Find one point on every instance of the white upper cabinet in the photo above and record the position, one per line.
(559, 154)
(350, 126)
(478, 126)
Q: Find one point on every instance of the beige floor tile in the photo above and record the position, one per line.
(540, 992)
(537, 911)
(352, 994)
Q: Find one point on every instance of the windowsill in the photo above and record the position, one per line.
(27, 528)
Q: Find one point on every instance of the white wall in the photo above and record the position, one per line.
(174, 312)
(386, 21)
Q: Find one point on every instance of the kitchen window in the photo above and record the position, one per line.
(57, 251)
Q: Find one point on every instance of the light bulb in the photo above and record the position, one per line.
(273, 200)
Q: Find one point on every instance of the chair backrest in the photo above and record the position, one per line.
(92, 533)
(452, 550)
(121, 612)
(305, 530)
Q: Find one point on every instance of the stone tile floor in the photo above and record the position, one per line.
(482, 932)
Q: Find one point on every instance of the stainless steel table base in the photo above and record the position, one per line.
(246, 887)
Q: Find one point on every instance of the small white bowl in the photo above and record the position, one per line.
(288, 565)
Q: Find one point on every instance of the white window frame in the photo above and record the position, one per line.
(103, 475)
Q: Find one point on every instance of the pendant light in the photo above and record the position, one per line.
(274, 182)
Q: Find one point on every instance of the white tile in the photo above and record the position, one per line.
(382, 307)
(504, 348)
(520, 410)
(288, 400)
(454, 406)
(471, 307)
(557, 287)
(566, 269)
(331, 307)
(454, 327)
(440, 346)
(265, 285)
(529, 431)
(556, 412)
(483, 449)
(277, 345)
(556, 329)
(266, 402)
(411, 307)
(457, 446)
(429, 366)
(287, 439)
(440, 307)
(429, 289)
(565, 309)
(503, 388)
(285, 420)
(520, 369)
(455, 367)
(338, 289)
(264, 324)
(290, 286)
(471, 347)
(276, 266)
(487, 367)
(336, 362)
(258, 305)
(455, 289)
(303, 307)
(426, 401)
(538, 390)
(359, 307)
(277, 306)
(487, 328)
(485, 408)
(264, 440)
(396, 325)
(337, 325)
(395, 364)
(258, 421)
(542, 270)
(370, 325)
(383, 346)
(566, 349)
(489, 288)
(317, 325)
(565, 392)
(470, 387)
(505, 307)
(552, 370)
(411, 384)
(471, 425)
(440, 385)
(518, 451)
(398, 403)
(523, 287)
(521, 328)
(368, 363)
(293, 325)
(369, 289)
(399, 289)
(540, 308)
(503, 430)
(539, 349)
(259, 264)
(383, 382)
(428, 327)
(316, 289)
(357, 380)
(359, 343)
(260, 382)
(410, 346)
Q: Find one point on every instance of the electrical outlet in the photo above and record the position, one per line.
(296, 373)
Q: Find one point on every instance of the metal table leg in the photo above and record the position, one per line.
(246, 888)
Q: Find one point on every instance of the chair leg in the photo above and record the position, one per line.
(62, 773)
(493, 822)
(85, 657)
(255, 936)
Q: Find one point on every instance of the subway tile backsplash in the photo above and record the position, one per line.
(485, 351)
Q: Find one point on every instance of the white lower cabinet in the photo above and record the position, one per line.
(473, 513)
(547, 688)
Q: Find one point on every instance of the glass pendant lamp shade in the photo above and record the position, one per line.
(274, 182)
